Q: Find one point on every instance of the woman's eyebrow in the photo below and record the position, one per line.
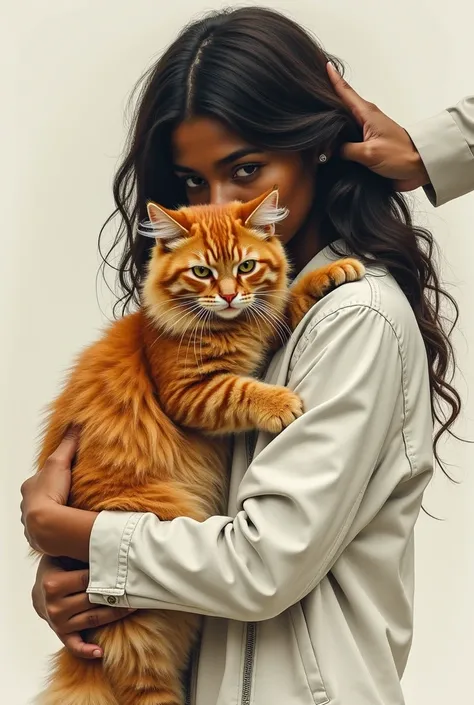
(229, 159)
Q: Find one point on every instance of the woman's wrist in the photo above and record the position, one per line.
(63, 531)
(416, 166)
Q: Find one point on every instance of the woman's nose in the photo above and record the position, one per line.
(221, 194)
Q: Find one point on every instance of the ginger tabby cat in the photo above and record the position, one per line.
(155, 398)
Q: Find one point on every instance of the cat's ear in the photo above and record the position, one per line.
(165, 225)
(262, 214)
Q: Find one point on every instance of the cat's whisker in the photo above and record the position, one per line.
(202, 316)
(178, 308)
(192, 336)
(281, 328)
(181, 314)
(182, 338)
(206, 314)
(276, 311)
(206, 319)
(193, 339)
(255, 318)
(175, 320)
(275, 328)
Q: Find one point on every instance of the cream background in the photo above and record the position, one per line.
(67, 67)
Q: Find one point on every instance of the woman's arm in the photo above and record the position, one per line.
(445, 143)
(297, 501)
(437, 153)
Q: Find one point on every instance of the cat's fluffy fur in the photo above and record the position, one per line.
(153, 397)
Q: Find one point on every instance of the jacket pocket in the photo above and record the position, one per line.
(308, 657)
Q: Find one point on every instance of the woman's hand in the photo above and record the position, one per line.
(45, 490)
(50, 526)
(387, 148)
(60, 598)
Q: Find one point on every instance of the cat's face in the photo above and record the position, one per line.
(216, 264)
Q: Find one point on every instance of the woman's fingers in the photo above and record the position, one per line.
(61, 610)
(58, 582)
(94, 617)
(69, 611)
(351, 99)
(70, 631)
(78, 647)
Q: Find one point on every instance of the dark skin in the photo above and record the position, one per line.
(219, 166)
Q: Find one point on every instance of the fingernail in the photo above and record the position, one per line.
(97, 653)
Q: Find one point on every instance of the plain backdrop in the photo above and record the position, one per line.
(67, 68)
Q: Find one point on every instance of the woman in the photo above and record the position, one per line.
(306, 584)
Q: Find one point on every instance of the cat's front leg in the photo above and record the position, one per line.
(227, 403)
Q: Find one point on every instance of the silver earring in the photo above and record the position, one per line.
(323, 158)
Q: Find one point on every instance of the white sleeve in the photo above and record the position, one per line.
(445, 143)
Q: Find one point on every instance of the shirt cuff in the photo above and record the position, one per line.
(446, 155)
(108, 557)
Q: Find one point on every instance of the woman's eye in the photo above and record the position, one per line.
(246, 170)
(194, 182)
(247, 266)
(201, 272)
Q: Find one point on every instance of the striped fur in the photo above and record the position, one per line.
(154, 397)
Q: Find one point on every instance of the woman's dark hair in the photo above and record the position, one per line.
(265, 77)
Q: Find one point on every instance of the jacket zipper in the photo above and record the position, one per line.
(251, 632)
(251, 637)
(190, 696)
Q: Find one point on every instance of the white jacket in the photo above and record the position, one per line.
(307, 583)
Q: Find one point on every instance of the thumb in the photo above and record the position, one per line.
(356, 152)
(67, 449)
(80, 648)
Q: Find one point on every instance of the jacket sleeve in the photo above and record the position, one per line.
(296, 503)
(446, 145)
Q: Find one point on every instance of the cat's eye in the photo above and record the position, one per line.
(201, 272)
(247, 266)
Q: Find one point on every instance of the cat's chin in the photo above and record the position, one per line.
(228, 314)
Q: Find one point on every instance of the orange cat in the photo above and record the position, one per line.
(154, 397)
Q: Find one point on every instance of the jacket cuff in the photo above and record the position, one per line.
(446, 155)
(108, 557)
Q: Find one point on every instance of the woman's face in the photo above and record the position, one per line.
(218, 166)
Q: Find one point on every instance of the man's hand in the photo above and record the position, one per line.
(387, 148)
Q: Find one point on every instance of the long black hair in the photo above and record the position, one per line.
(265, 77)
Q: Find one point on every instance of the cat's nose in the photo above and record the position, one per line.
(229, 297)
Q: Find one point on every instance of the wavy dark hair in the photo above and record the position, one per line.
(265, 77)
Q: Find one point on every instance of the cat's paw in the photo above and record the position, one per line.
(343, 271)
(280, 408)
(320, 282)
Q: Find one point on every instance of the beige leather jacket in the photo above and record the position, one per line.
(306, 584)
